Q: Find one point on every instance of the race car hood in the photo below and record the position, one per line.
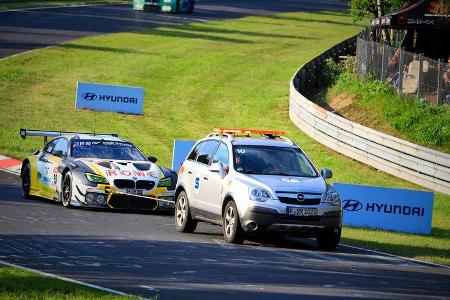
(289, 183)
(124, 169)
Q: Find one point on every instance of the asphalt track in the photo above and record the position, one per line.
(142, 254)
(24, 30)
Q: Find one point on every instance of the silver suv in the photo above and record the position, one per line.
(256, 185)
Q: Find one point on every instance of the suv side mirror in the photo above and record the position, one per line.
(152, 159)
(217, 168)
(326, 173)
(58, 153)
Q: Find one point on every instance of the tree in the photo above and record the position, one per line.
(374, 8)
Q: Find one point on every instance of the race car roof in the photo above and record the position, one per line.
(95, 137)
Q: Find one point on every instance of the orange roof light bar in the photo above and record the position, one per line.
(250, 131)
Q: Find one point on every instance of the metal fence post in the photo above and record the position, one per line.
(419, 87)
(400, 71)
(367, 59)
(439, 83)
(383, 67)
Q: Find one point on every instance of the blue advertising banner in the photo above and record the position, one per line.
(129, 100)
(181, 149)
(386, 208)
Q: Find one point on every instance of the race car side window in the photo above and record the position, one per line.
(61, 145)
(49, 147)
(194, 153)
(206, 151)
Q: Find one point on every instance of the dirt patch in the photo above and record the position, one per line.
(340, 101)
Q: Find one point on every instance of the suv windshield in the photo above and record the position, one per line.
(105, 149)
(266, 160)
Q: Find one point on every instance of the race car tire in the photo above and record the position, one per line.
(232, 229)
(66, 194)
(329, 239)
(183, 218)
(26, 180)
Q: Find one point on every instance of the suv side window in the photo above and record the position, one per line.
(194, 153)
(206, 152)
(61, 145)
(222, 156)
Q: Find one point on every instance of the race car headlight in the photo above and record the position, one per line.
(165, 182)
(94, 178)
(258, 195)
(333, 198)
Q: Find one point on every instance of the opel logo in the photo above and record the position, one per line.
(89, 96)
(300, 197)
(352, 205)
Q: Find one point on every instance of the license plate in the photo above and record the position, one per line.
(300, 211)
(134, 192)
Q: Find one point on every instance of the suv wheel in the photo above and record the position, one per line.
(232, 229)
(183, 219)
(329, 239)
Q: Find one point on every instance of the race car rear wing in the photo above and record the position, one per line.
(45, 133)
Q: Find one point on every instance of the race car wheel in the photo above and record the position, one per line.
(329, 239)
(183, 218)
(232, 229)
(67, 190)
(26, 180)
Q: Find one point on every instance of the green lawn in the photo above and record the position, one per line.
(17, 4)
(19, 284)
(232, 73)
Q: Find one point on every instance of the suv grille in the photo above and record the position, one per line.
(291, 198)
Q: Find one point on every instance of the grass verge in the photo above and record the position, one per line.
(376, 105)
(232, 73)
(17, 4)
(20, 284)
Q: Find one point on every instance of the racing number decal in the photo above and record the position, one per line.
(197, 184)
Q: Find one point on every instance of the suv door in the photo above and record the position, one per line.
(213, 190)
(201, 174)
(189, 168)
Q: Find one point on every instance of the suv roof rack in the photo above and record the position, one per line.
(230, 133)
(46, 133)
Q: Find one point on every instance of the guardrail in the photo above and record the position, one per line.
(411, 162)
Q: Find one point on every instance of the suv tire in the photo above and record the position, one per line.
(232, 229)
(183, 218)
(328, 239)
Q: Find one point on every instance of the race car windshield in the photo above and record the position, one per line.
(105, 149)
(265, 160)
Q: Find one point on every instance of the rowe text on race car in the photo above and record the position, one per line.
(91, 170)
(255, 186)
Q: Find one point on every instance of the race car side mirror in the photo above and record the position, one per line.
(152, 159)
(326, 173)
(58, 153)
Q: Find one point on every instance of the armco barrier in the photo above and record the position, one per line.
(417, 164)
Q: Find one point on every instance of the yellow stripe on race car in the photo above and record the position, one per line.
(96, 169)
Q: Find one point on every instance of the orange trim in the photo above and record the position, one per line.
(250, 131)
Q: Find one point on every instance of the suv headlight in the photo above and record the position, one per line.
(165, 182)
(259, 195)
(333, 198)
(94, 178)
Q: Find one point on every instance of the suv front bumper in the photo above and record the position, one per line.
(267, 219)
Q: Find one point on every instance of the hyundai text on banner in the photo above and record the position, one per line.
(124, 99)
(386, 208)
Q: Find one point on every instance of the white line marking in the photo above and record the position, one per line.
(397, 256)
(55, 7)
(97, 287)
